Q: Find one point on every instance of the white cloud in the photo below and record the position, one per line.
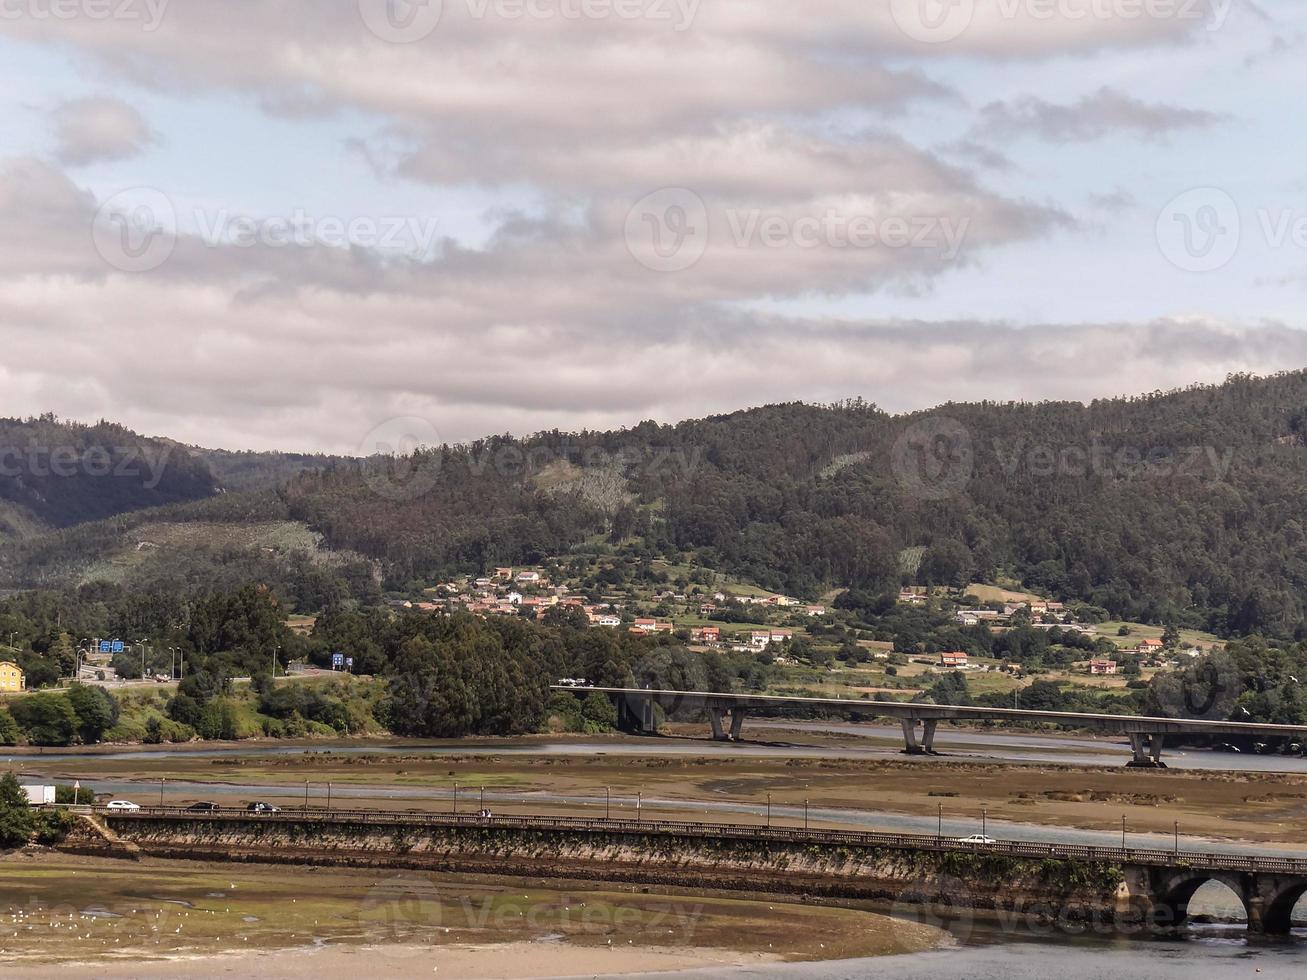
(92, 130)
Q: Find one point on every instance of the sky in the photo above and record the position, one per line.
(332, 225)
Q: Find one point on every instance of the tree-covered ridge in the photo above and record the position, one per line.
(1182, 507)
(64, 473)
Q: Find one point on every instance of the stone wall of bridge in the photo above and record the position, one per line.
(944, 885)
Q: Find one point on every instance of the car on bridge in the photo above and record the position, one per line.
(204, 806)
(976, 839)
(122, 805)
(258, 806)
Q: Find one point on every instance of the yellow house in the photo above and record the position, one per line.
(11, 677)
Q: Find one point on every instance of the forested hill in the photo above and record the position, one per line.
(57, 474)
(1184, 506)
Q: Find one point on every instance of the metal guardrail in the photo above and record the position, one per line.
(720, 831)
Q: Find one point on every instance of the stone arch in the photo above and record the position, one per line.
(1172, 898)
(1277, 919)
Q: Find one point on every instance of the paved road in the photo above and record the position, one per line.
(770, 741)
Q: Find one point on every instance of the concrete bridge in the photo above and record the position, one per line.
(1127, 889)
(636, 713)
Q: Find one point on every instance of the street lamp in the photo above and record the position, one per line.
(1177, 837)
(768, 811)
(939, 830)
(1123, 831)
(805, 815)
(984, 822)
(608, 803)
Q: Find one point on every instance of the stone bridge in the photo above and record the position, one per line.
(1128, 890)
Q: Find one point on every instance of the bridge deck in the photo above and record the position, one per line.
(1136, 724)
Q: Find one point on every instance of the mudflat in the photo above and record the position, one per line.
(94, 917)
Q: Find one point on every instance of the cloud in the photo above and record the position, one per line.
(92, 130)
(1106, 112)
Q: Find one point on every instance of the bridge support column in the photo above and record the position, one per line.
(1147, 751)
(910, 737)
(715, 716)
(928, 735)
(737, 723)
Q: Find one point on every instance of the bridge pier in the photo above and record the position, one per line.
(636, 715)
(927, 744)
(717, 718)
(737, 722)
(1147, 751)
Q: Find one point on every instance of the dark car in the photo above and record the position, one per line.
(204, 806)
(258, 806)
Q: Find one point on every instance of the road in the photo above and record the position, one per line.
(861, 741)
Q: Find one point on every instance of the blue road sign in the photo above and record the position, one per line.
(338, 660)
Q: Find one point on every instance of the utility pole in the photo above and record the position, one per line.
(328, 794)
(639, 804)
(1123, 831)
(984, 822)
(768, 811)
(160, 791)
(805, 815)
(306, 797)
(483, 799)
(1177, 837)
(456, 799)
(939, 832)
(608, 803)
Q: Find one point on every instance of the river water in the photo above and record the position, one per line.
(1215, 953)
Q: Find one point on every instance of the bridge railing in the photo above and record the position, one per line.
(727, 831)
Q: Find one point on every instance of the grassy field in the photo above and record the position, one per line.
(1142, 631)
